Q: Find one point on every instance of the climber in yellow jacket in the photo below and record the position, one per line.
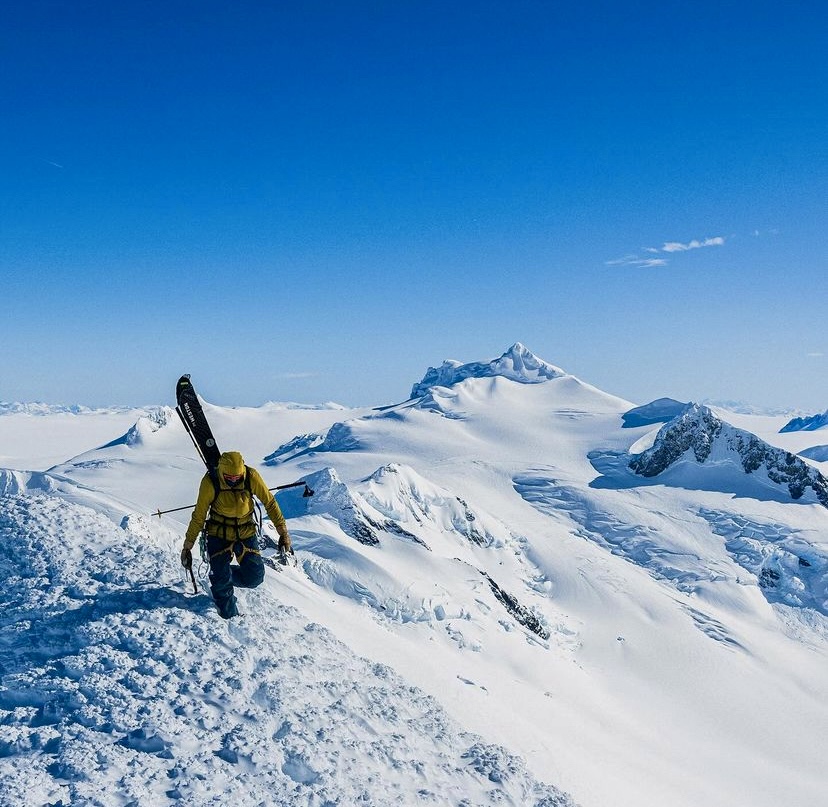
(225, 502)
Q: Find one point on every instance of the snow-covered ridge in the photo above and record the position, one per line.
(152, 422)
(815, 453)
(806, 424)
(40, 408)
(15, 482)
(339, 437)
(518, 363)
(659, 411)
(698, 435)
(132, 692)
(395, 499)
(395, 504)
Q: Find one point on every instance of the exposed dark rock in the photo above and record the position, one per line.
(697, 428)
(519, 612)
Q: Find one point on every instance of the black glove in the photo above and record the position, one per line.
(187, 558)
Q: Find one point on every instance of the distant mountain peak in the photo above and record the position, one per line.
(659, 411)
(698, 435)
(806, 424)
(518, 363)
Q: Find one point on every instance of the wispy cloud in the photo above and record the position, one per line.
(677, 246)
(294, 376)
(815, 355)
(669, 247)
(634, 260)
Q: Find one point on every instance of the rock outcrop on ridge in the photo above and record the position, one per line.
(697, 434)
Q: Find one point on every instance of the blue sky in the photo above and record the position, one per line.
(316, 201)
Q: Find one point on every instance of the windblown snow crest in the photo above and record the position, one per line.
(395, 502)
(395, 499)
(339, 437)
(433, 393)
(153, 421)
(697, 434)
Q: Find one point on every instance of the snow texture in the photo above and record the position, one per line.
(130, 687)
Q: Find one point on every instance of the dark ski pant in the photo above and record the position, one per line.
(248, 574)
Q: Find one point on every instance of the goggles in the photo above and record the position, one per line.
(233, 479)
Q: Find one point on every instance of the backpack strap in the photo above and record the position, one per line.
(214, 478)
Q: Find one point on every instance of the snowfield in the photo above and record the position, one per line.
(122, 689)
(490, 606)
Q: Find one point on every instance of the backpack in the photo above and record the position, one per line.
(255, 515)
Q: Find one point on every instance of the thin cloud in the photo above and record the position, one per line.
(669, 247)
(677, 246)
(634, 260)
(294, 376)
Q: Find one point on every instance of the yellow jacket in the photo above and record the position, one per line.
(231, 514)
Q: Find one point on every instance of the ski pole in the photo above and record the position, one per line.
(307, 492)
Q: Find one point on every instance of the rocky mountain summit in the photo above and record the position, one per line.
(698, 435)
(518, 363)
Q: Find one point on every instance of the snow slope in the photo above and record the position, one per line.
(489, 606)
(131, 692)
(36, 437)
